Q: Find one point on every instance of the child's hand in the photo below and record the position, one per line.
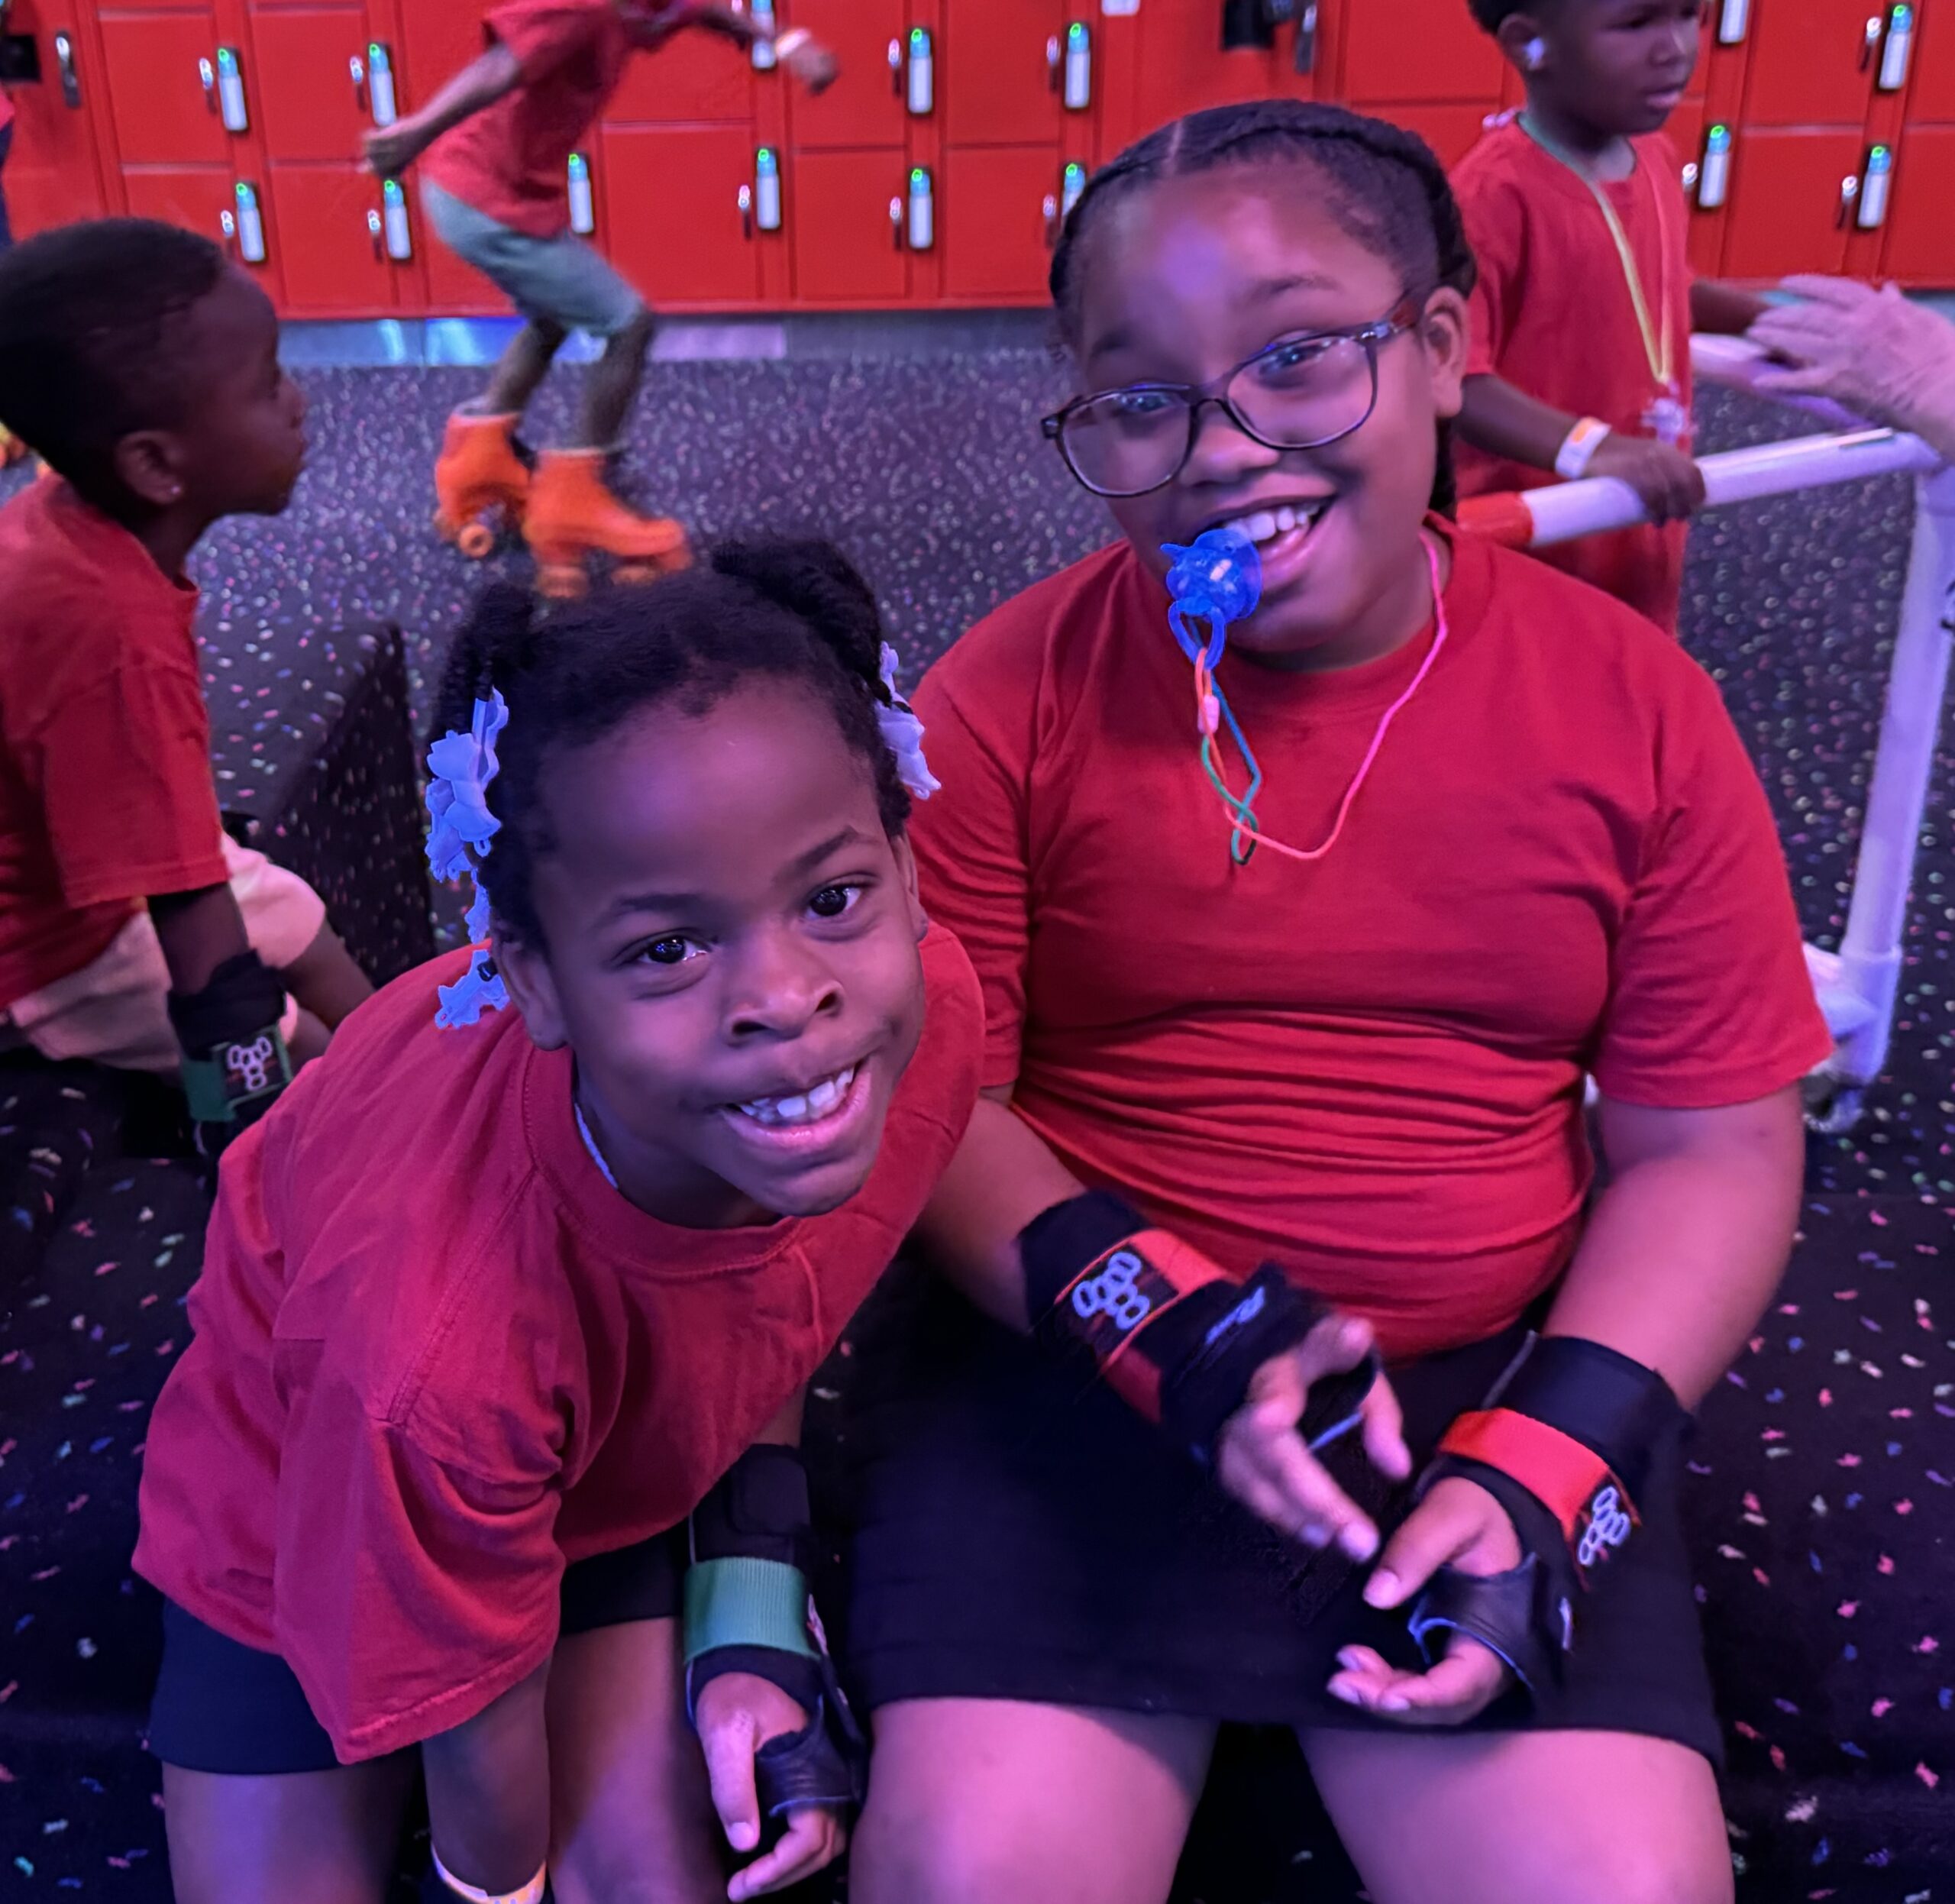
(387, 151)
(1261, 1460)
(1669, 483)
(1457, 1524)
(814, 65)
(737, 1713)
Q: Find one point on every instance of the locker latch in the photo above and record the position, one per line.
(1898, 52)
(64, 58)
(922, 91)
(230, 91)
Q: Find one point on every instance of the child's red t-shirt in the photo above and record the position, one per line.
(508, 160)
(1370, 1069)
(438, 1357)
(106, 796)
(1552, 314)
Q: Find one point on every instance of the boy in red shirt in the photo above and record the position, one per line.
(1583, 313)
(489, 1311)
(132, 932)
(495, 189)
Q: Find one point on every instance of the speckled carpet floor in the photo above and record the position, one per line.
(1825, 1496)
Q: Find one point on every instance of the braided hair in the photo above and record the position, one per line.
(1385, 187)
(774, 608)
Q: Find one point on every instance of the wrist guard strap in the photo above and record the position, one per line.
(531, 1893)
(235, 1059)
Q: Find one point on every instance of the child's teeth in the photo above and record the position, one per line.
(823, 1096)
(818, 1101)
(1286, 520)
(1260, 527)
(790, 1111)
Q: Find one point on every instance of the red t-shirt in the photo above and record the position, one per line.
(1552, 314)
(1370, 1069)
(437, 1357)
(106, 796)
(509, 160)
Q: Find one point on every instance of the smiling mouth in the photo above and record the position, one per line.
(1264, 526)
(821, 1099)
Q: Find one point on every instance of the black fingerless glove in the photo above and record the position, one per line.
(1563, 1444)
(234, 1061)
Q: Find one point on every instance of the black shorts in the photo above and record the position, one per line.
(222, 1706)
(1020, 1536)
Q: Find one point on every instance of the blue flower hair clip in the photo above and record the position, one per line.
(903, 734)
(459, 768)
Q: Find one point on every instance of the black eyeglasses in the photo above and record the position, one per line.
(1298, 393)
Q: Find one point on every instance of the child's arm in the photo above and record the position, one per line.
(391, 150)
(489, 1791)
(197, 932)
(1506, 422)
(1723, 309)
(803, 55)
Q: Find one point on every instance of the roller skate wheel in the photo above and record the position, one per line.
(476, 540)
(560, 583)
(630, 572)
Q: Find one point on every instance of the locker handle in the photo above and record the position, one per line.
(64, 58)
(745, 201)
(896, 67)
(227, 223)
(208, 74)
(895, 221)
(1054, 63)
(1052, 215)
(356, 71)
(373, 232)
(1876, 25)
(1849, 190)
(1307, 30)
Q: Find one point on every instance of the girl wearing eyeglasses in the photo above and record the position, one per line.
(1281, 1081)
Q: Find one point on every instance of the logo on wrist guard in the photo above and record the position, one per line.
(247, 1068)
(1115, 1292)
(1606, 1523)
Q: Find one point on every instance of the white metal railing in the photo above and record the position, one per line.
(1856, 985)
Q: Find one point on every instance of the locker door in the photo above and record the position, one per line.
(1418, 49)
(999, 213)
(1932, 94)
(998, 83)
(1809, 61)
(1920, 236)
(454, 289)
(310, 106)
(696, 77)
(1451, 131)
(847, 249)
(1786, 201)
(197, 198)
(438, 38)
(1183, 69)
(51, 176)
(332, 265)
(672, 212)
(162, 112)
(865, 106)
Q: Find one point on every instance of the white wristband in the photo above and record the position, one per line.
(1578, 447)
(531, 1893)
(792, 41)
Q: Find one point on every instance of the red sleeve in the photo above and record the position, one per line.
(1496, 227)
(1710, 1003)
(124, 773)
(544, 34)
(970, 841)
(414, 1589)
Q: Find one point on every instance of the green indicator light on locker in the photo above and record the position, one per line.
(251, 225)
(1078, 92)
(766, 189)
(380, 84)
(921, 93)
(1071, 187)
(583, 212)
(393, 219)
(1875, 188)
(922, 209)
(1714, 181)
(1899, 50)
(230, 91)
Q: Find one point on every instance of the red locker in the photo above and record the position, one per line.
(672, 212)
(1417, 50)
(1920, 240)
(199, 199)
(1451, 131)
(1002, 69)
(1931, 92)
(697, 78)
(865, 106)
(333, 264)
(164, 112)
(1171, 61)
(1811, 61)
(849, 247)
(438, 38)
(1789, 210)
(454, 289)
(51, 176)
(304, 59)
(997, 215)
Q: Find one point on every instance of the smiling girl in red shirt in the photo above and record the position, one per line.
(1336, 1027)
(488, 1306)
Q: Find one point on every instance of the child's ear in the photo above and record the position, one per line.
(1444, 331)
(1520, 37)
(524, 970)
(149, 463)
(905, 866)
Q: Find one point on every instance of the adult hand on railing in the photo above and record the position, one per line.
(1881, 356)
(1669, 483)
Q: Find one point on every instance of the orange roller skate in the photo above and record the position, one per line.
(480, 483)
(572, 515)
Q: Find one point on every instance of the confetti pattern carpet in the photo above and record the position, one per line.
(1824, 1496)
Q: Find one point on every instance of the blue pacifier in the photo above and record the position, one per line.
(1217, 578)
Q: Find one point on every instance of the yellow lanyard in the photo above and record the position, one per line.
(1659, 336)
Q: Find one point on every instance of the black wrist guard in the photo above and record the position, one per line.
(234, 1060)
(748, 1610)
(1563, 1444)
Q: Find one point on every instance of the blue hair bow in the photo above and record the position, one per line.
(459, 768)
